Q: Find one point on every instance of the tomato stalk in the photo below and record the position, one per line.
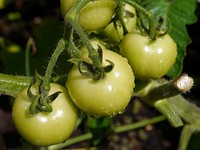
(30, 44)
(151, 31)
(45, 85)
(46, 79)
(120, 15)
(12, 85)
(73, 50)
(72, 19)
(172, 88)
(157, 95)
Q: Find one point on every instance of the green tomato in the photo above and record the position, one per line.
(117, 33)
(65, 6)
(45, 128)
(108, 96)
(94, 16)
(149, 59)
(95, 42)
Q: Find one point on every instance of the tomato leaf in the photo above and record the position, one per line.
(99, 127)
(180, 13)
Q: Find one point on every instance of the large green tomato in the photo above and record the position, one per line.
(94, 16)
(117, 33)
(45, 128)
(108, 96)
(149, 59)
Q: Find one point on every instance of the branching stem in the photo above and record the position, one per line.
(146, 13)
(72, 19)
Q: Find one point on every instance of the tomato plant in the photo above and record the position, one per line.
(149, 59)
(95, 15)
(114, 61)
(45, 128)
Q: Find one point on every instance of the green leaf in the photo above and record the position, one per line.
(180, 13)
(99, 127)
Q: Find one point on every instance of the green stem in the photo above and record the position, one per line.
(138, 124)
(157, 95)
(13, 85)
(30, 44)
(73, 50)
(27, 58)
(71, 141)
(46, 80)
(187, 110)
(146, 13)
(121, 18)
(165, 108)
(72, 19)
(156, 91)
(119, 129)
(186, 134)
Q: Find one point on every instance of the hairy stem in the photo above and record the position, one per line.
(12, 85)
(46, 80)
(72, 19)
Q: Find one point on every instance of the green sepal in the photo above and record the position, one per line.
(52, 97)
(86, 69)
(109, 68)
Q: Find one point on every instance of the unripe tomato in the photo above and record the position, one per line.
(108, 96)
(149, 59)
(44, 128)
(95, 42)
(117, 33)
(65, 6)
(94, 16)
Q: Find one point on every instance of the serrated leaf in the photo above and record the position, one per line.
(180, 13)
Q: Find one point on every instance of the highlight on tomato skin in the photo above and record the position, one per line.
(149, 59)
(105, 97)
(43, 128)
(94, 16)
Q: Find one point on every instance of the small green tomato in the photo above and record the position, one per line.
(45, 128)
(149, 59)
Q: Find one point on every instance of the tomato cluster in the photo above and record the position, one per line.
(133, 55)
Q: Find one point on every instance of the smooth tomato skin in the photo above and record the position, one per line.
(106, 97)
(117, 34)
(65, 6)
(45, 128)
(95, 15)
(149, 59)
